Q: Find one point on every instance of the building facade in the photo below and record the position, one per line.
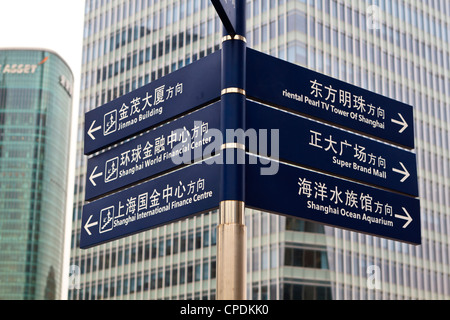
(399, 49)
(35, 121)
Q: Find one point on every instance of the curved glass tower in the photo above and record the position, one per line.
(35, 115)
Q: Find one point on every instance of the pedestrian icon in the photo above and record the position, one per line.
(111, 169)
(110, 122)
(106, 217)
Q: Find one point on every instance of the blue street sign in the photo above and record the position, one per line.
(290, 86)
(312, 144)
(174, 94)
(161, 149)
(313, 196)
(226, 9)
(180, 194)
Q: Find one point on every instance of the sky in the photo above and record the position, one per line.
(48, 24)
(55, 25)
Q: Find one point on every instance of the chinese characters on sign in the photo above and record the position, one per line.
(356, 106)
(148, 204)
(152, 153)
(171, 96)
(165, 199)
(292, 87)
(310, 195)
(359, 152)
(337, 129)
(333, 150)
(352, 172)
(322, 193)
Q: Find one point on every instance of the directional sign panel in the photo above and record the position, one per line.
(178, 142)
(290, 86)
(168, 198)
(226, 9)
(309, 195)
(309, 143)
(161, 100)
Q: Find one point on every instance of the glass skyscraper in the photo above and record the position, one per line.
(399, 49)
(35, 117)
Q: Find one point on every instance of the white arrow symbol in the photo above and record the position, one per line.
(92, 130)
(407, 218)
(93, 176)
(402, 123)
(88, 225)
(404, 172)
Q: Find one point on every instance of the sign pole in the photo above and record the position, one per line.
(231, 231)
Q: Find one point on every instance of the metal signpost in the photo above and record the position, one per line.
(342, 153)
